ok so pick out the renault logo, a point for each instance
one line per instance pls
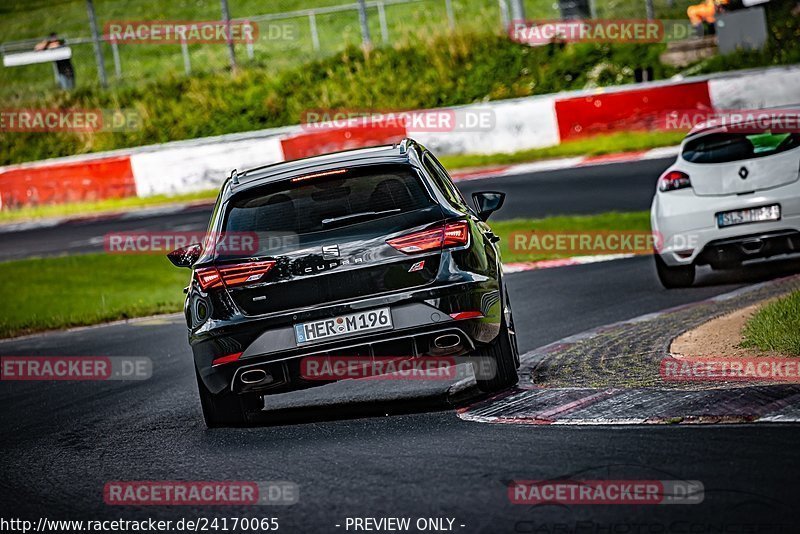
(743, 173)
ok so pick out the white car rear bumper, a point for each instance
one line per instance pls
(685, 223)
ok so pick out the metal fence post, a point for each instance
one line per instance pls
(55, 73)
(98, 52)
(362, 18)
(503, 14)
(187, 61)
(115, 53)
(312, 24)
(226, 16)
(651, 13)
(451, 18)
(251, 52)
(384, 25)
(517, 10)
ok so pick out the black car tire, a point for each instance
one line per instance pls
(674, 277)
(505, 355)
(512, 331)
(226, 409)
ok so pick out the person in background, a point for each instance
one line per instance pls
(66, 73)
(705, 12)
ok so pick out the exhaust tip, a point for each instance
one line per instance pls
(254, 376)
(753, 246)
(447, 341)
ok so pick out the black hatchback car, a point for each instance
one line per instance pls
(364, 253)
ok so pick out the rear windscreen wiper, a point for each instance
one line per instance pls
(356, 216)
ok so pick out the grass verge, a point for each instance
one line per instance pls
(51, 293)
(637, 221)
(593, 146)
(775, 327)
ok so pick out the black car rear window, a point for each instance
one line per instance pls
(311, 203)
(726, 147)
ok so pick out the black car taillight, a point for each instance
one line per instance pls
(454, 234)
(229, 358)
(674, 180)
(232, 275)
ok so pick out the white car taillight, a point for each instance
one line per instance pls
(674, 180)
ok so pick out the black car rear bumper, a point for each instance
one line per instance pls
(419, 318)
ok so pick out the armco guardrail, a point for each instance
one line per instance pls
(518, 124)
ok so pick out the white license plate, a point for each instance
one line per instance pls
(366, 321)
(764, 213)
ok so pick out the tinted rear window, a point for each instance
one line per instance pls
(725, 147)
(313, 204)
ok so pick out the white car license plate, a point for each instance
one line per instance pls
(366, 321)
(764, 213)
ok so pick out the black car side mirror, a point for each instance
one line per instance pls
(185, 256)
(487, 202)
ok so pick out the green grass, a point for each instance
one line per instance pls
(50, 293)
(26, 19)
(43, 294)
(593, 146)
(775, 327)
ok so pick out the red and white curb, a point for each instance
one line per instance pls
(518, 267)
(529, 404)
(639, 406)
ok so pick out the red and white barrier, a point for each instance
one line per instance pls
(517, 124)
(637, 109)
(72, 181)
(188, 168)
(321, 140)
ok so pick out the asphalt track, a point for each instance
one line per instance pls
(395, 448)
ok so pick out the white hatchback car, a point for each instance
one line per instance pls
(732, 196)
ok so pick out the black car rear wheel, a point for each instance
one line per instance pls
(226, 409)
(674, 277)
(505, 354)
